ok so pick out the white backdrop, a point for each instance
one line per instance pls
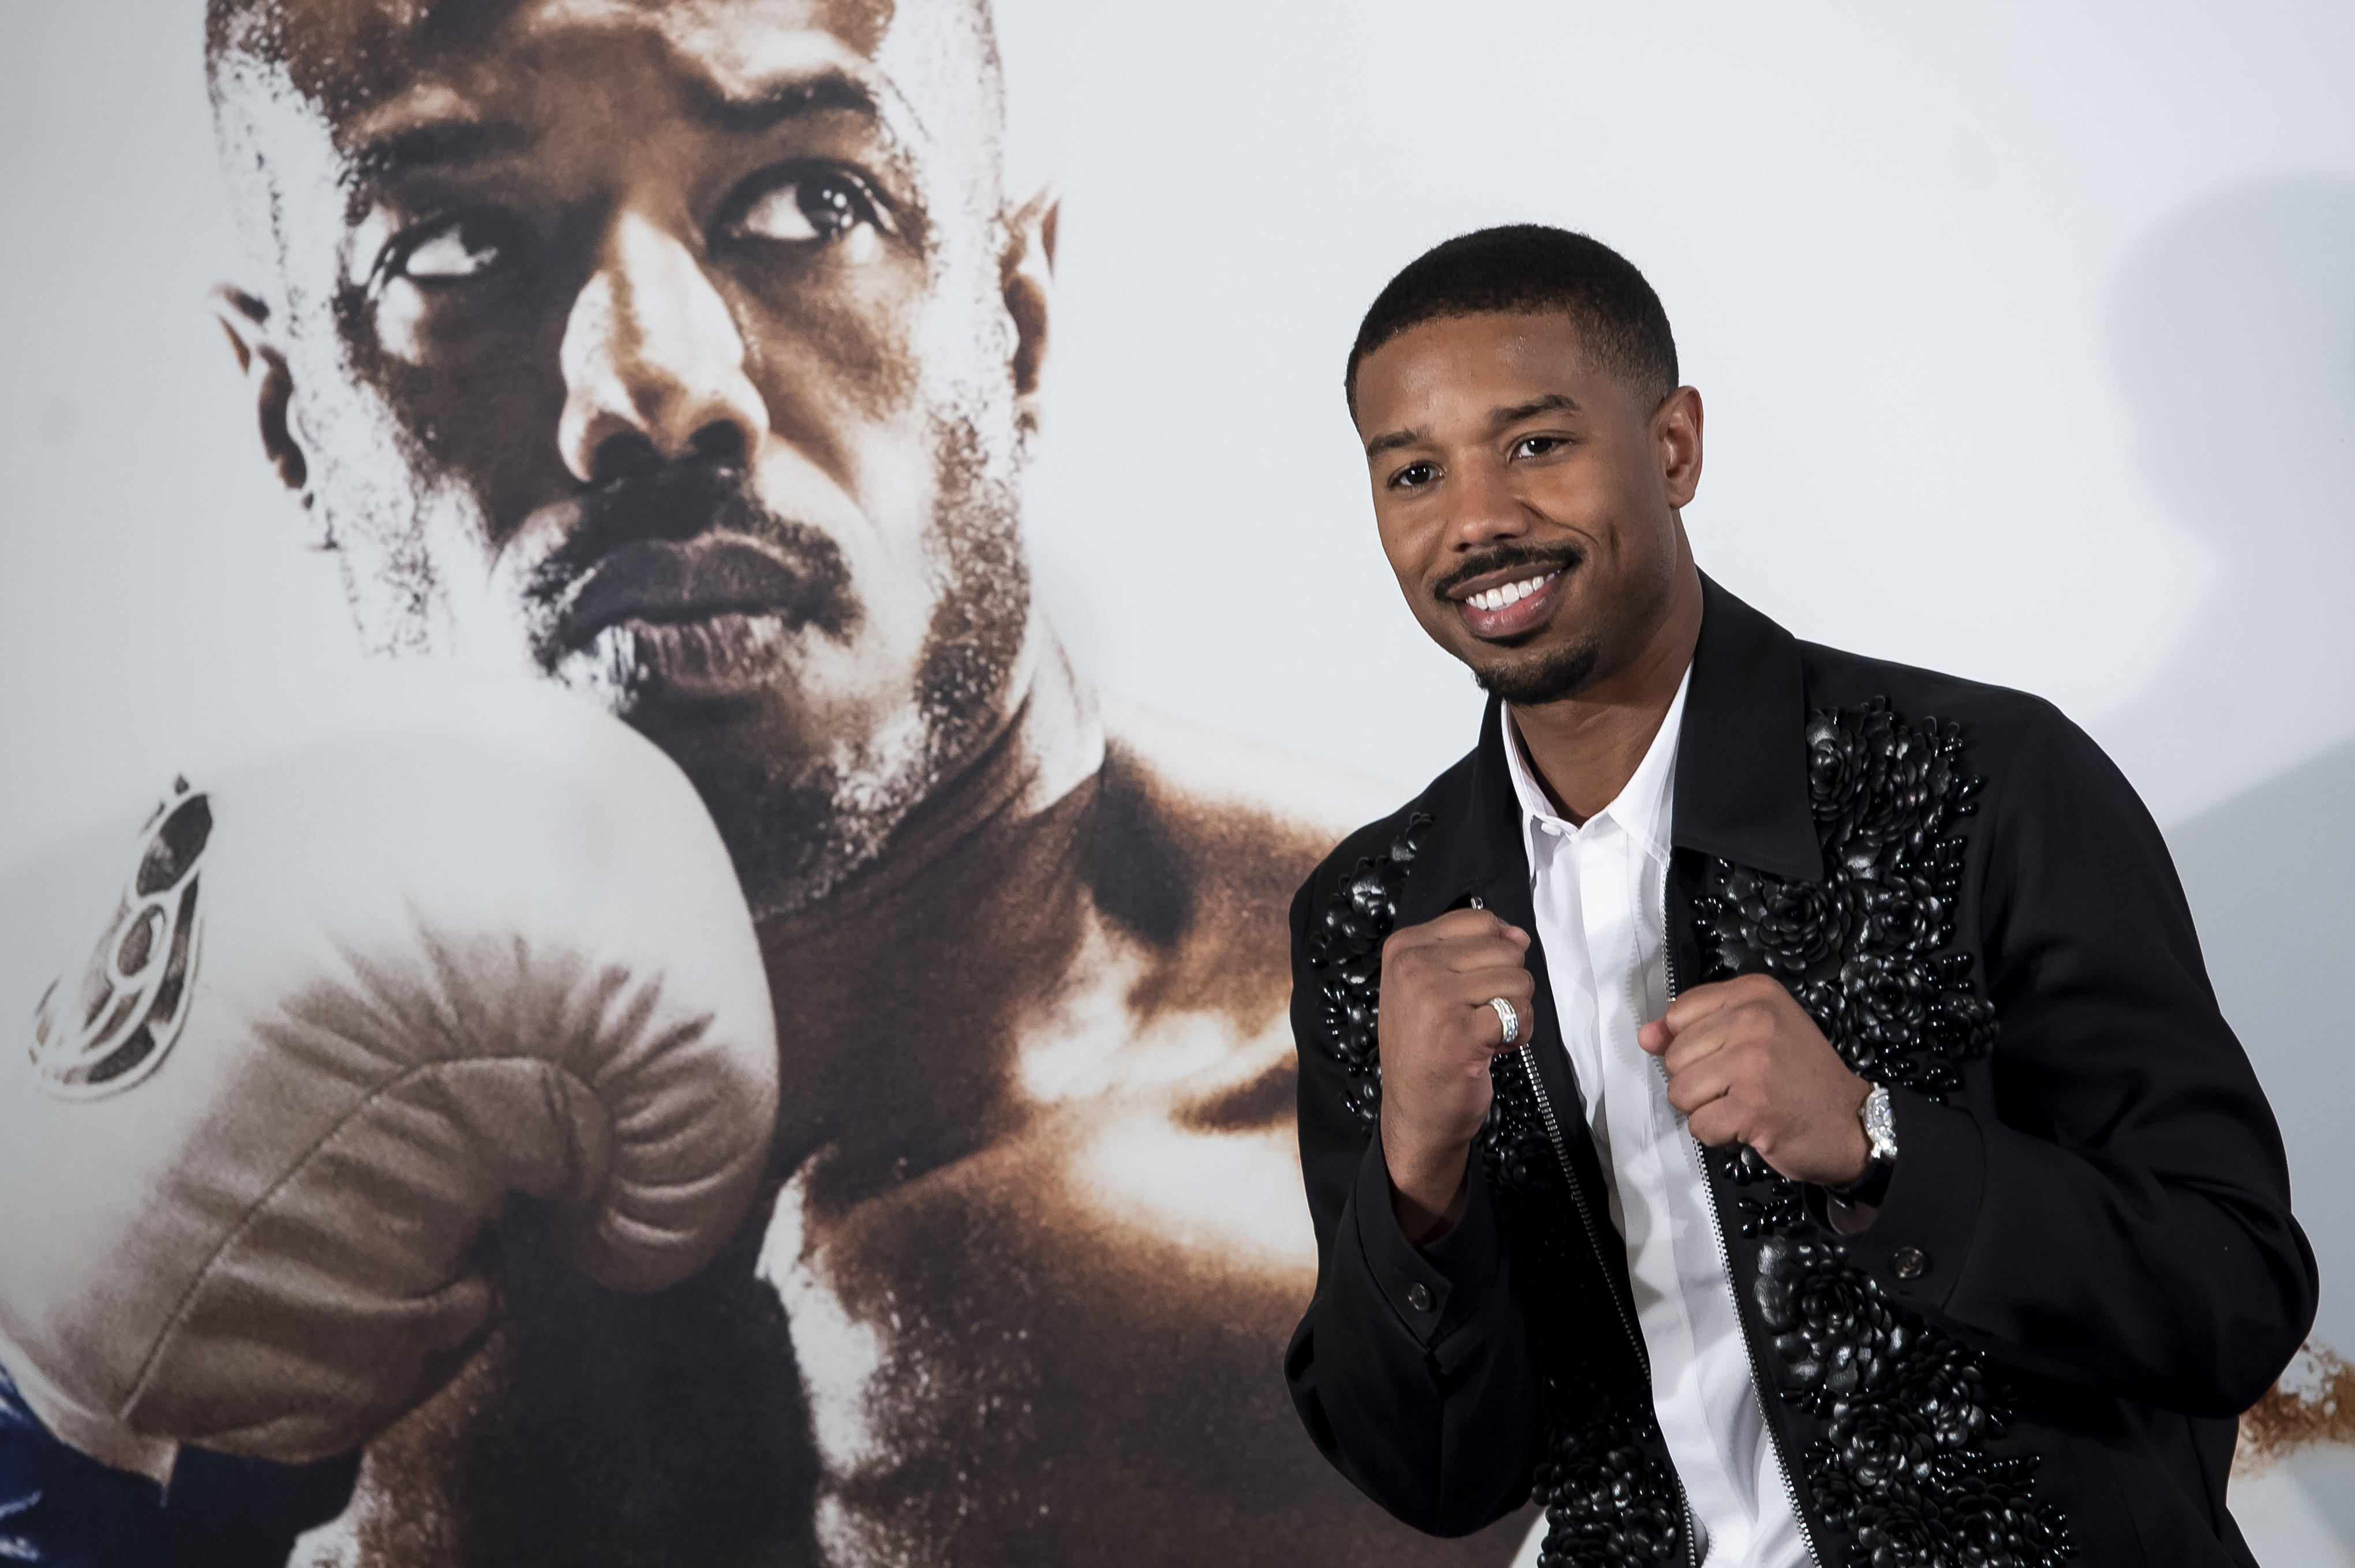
(2027, 335)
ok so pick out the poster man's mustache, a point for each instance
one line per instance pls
(686, 541)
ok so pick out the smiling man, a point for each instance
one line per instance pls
(686, 356)
(1764, 1105)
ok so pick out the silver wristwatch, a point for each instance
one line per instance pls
(1880, 1159)
(1880, 1127)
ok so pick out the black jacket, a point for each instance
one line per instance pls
(2084, 1267)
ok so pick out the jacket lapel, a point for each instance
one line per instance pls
(1742, 761)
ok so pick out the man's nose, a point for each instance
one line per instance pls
(653, 363)
(1484, 504)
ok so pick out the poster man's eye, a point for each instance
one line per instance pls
(453, 250)
(809, 206)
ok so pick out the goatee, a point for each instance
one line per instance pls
(1543, 678)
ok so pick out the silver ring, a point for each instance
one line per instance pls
(1508, 1018)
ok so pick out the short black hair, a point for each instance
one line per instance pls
(1524, 267)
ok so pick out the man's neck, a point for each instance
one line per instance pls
(903, 994)
(1051, 740)
(1584, 748)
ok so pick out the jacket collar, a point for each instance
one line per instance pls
(1741, 763)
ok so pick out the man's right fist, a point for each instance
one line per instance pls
(359, 989)
(1437, 1034)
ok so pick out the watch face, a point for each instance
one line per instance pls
(1880, 1124)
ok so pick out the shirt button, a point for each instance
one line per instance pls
(1909, 1262)
(1418, 1297)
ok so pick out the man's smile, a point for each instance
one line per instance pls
(1501, 605)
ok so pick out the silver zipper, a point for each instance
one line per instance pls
(1578, 1197)
(1725, 1261)
(1570, 1179)
(1594, 1247)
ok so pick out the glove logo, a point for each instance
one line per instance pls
(117, 1026)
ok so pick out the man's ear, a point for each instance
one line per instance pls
(1028, 275)
(247, 321)
(1675, 437)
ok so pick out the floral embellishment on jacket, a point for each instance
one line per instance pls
(1900, 1465)
(1862, 951)
(1906, 1410)
(1345, 948)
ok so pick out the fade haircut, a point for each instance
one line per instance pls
(1523, 267)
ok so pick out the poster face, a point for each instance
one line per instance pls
(643, 585)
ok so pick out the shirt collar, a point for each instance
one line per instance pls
(1641, 809)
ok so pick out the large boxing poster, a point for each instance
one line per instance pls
(673, 664)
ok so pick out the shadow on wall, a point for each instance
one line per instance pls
(2267, 872)
(2231, 329)
(2232, 326)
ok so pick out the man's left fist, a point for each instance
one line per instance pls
(1746, 1064)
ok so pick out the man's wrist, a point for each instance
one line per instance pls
(1427, 1190)
(1877, 1122)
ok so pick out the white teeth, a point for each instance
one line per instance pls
(1511, 594)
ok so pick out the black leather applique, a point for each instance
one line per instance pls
(1905, 1410)
(1347, 948)
(1778, 1205)
(1862, 953)
(1607, 1503)
(1901, 1465)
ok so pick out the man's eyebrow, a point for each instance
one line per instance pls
(1552, 402)
(456, 143)
(773, 104)
(1393, 440)
(439, 144)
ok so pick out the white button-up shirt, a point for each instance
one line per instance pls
(1600, 893)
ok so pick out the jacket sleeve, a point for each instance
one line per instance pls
(2118, 1220)
(1410, 1369)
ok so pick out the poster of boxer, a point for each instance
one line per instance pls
(605, 969)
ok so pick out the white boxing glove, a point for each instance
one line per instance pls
(360, 990)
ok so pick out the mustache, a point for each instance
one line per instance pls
(1498, 558)
(604, 558)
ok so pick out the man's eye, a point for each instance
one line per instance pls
(1413, 476)
(451, 250)
(1536, 445)
(809, 206)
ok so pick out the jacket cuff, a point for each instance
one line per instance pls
(1433, 1289)
(1919, 1241)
